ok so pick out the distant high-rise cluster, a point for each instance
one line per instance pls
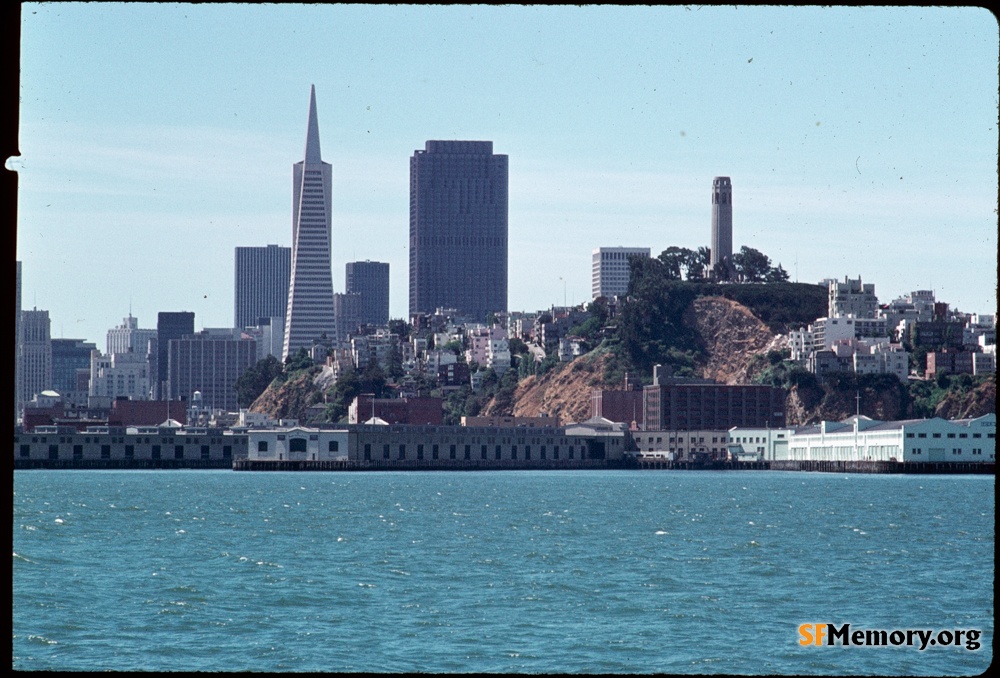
(722, 221)
(310, 315)
(458, 229)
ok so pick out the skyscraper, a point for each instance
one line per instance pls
(261, 286)
(170, 325)
(370, 279)
(458, 228)
(36, 354)
(722, 221)
(310, 292)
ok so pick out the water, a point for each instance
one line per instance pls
(575, 572)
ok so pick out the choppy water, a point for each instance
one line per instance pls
(580, 572)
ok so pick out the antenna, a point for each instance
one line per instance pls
(857, 398)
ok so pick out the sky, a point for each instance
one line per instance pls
(157, 138)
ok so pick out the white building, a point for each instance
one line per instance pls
(610, 271)
(120, 375)
(297, 444)
(851, 297)
(759, 443)
(859, 438)
(129, 338)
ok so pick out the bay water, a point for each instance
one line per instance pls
(525, 572)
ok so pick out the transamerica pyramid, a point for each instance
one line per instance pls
(310, 292)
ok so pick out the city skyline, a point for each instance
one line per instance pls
(614, 119)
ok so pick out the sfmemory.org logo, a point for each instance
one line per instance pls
(829, 634)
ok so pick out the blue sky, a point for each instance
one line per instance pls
(156, 138)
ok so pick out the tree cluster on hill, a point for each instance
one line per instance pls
(747, 265)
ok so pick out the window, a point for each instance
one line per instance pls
(434, 452)
(334, 446)
(909, 435)
(368, 451)
(297, 445)
(54, 452)
(155, 453)
(385, 451)
(105, 452)
(26, 450)
(452, 452)
(420, 451)
(951, 435)
(205, 452)
(261, 446)
(178, 451)
(129, 451)
(77, 452)
(935, 435)
(498, 452)
(227, 451)
(402, 452)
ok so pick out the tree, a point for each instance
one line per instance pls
(698, 262)
(777, 274)
(255, 380)
(751, 265)
(673, 259)
(300, 360)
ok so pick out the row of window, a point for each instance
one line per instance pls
(435, 452)
(155, 452)
(950, 435)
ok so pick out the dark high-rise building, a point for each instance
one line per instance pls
(310, 292)
(458, 229)
(722, 221)
(68, 356)
(261, 286)
(169, 325)
(370, 279)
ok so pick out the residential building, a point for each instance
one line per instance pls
(18, 387)
(851, 297)
(722, 222)
(310, 316)
(610, 270)
(458, 229)
(261, 285)
(369, 279)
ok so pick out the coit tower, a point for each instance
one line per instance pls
(722, 221)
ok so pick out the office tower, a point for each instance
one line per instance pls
(68, 356)
(610, 271)
(370, 279)
(120, 375)
(36, 353)
(310, 292)
(169, 325)
(129, 338)
(209, 362)
(458, 229)
(722, 221)
(347, 310)
(261, 288)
